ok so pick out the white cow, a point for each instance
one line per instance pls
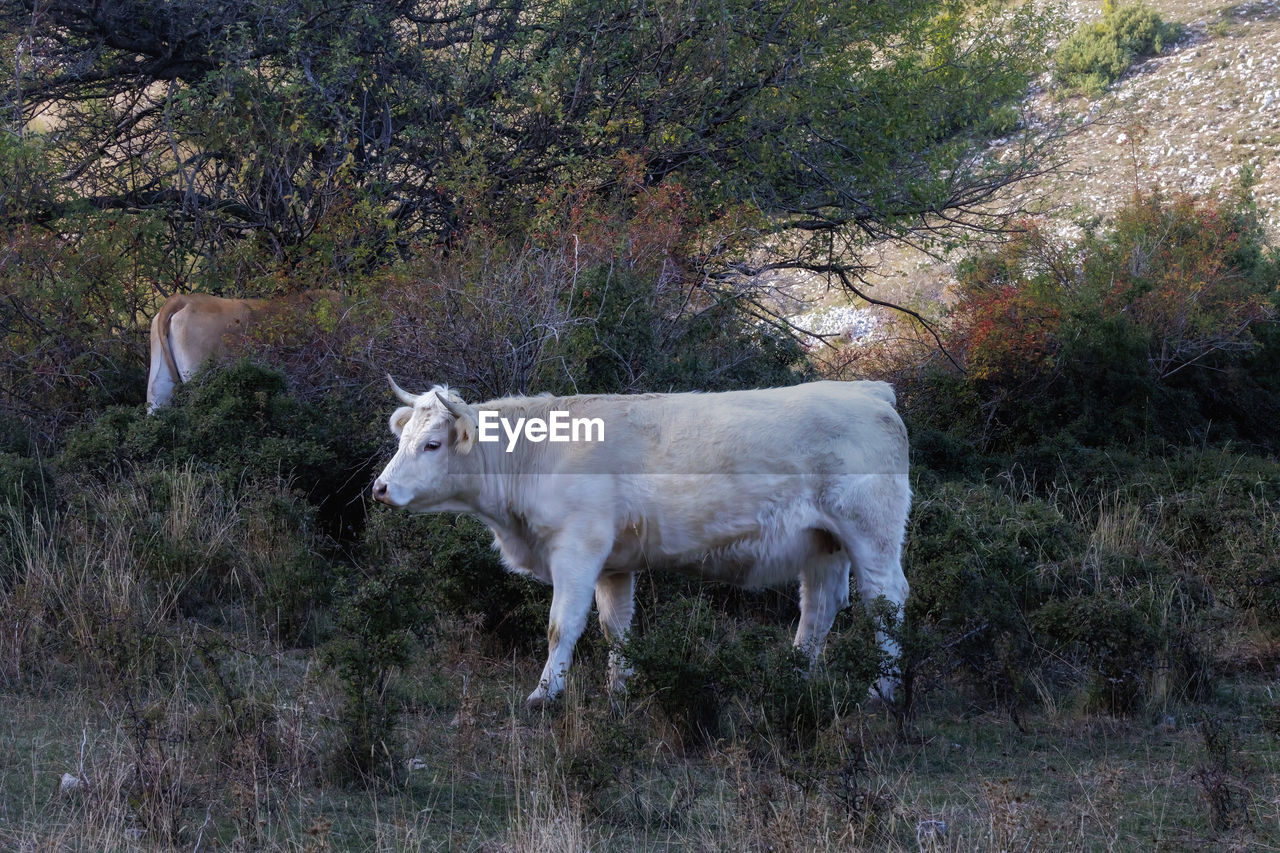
(758, 488)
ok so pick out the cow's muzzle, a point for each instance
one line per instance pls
(380, 491)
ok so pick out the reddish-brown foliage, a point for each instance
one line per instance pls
(1172, 269)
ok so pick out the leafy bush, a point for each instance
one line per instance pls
(1220, 513)
(460, 573)
(214, 551)
(1192, 273)
(597, 297)
(711, 675)
(675, 662)
(236, 493)
(1115, 640)
(383, 619)
(26, 484)
(1012, 591)
(243, 422)
(69, 303)
(979, 563)
(1097, 54)
(637, 320)
(1152, 328)
(627, 335)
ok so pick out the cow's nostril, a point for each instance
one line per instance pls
(379, 490)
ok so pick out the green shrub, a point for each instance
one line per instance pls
(230, 492)
(1097, 54)
(711, 675)
(979, 562)
(1220, 514)
(626, 337)
(243, 423)
(1210, 514)
(461, 574)
(600, 768)
(675, 662)
(1102, 391)
(26, 483)
(799, 701)
(292, 562)
(216, 552)
(69, 334)
(1156, 329)
(1012, 592)
(15, 437)
(1113, 638)
(384, 618)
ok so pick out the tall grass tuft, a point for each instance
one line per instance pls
(190, 724)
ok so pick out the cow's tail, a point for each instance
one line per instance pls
(160, 334)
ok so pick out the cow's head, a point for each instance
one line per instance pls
(436, 430)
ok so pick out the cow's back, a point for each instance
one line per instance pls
(192, 328)
(835, 427)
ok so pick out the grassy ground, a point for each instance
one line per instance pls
(480, 775)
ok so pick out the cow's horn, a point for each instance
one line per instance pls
(454, 409)
(405, 396)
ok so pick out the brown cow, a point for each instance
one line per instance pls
(191, 328)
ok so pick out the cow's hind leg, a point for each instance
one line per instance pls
(159, 384)
(877, 565)
(615, 601)
(824, 592)
(575, 566)
(869, 517)
(160, 380)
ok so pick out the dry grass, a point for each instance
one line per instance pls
(965, 782)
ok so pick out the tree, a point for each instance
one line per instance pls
(308, 134)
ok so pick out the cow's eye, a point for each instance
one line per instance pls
(431, 445)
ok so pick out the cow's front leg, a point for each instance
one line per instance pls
(575, 566)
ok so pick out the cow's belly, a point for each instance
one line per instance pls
(757, 559)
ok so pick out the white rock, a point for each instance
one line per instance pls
(844, 322)
(71, 783)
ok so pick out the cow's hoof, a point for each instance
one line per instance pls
(537, 701)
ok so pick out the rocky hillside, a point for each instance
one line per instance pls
(1190, 119)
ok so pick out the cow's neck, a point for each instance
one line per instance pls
(496, 490)
(503, 484)
(499, 499)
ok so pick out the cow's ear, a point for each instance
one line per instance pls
(399, 418)
(464, 433)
